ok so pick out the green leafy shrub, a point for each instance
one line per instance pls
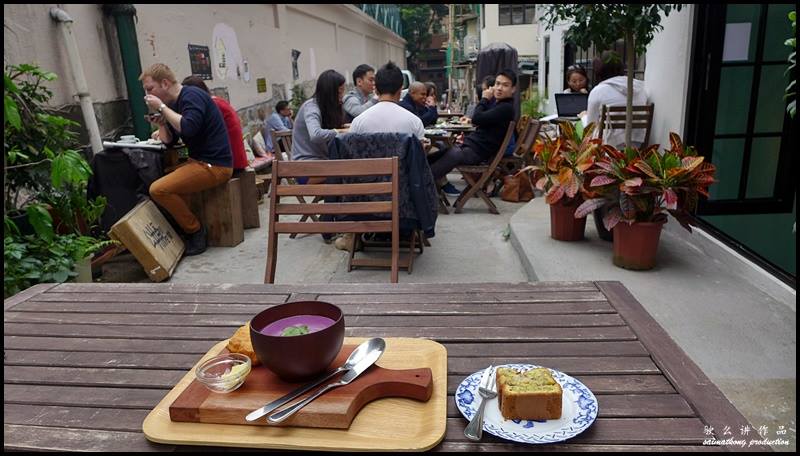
(43, 173)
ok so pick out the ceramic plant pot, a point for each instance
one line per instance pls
(636, 245)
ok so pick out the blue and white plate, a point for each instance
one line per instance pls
(578, 410)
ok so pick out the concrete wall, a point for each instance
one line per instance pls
(555, 54)
(31, 36)
(521, 37)
(667, 74)
(328, 36)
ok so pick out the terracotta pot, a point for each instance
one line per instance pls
(563, 224)
(635, 245)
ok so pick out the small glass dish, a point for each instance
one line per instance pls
(224, 373)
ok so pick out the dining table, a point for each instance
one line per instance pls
(85, 364)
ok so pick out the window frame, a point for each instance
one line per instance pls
(508, 10)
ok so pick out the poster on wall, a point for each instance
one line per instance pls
(229, 61)
(200, 61)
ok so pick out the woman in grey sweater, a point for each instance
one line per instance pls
(318, 118)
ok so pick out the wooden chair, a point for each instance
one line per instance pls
(282, 147)
(476, 186)
(334, 168)
(613, 118)
(522, 155)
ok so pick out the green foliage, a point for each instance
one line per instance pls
(791, 91)
(31, 259)
(298, 97)
(420, 21)
(43, 173)
(605, 23)
(532, 103)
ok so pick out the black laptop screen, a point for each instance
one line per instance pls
(571, 104)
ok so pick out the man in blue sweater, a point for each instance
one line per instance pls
(187, 113)
(416, 101)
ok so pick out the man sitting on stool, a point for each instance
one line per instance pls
(188, 113)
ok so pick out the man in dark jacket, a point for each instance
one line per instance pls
(491, 123)
(416, 101)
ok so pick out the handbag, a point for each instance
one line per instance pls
(517, 188)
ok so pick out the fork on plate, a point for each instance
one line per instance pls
(488, 390)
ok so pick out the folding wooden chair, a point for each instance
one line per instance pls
(282, 144)
(613, 118)
(476, 186)
(334, 168)
(522, 155)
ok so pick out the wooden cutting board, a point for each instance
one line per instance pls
(334, 409)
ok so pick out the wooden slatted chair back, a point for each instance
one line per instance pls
(282, 142)
(283, 171)
(613, 118)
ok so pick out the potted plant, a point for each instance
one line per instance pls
(640, 188)
(560, 174)
(43, 174)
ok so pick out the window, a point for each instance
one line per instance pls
(483, 15)
(516, 14)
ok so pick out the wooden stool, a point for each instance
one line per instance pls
(249, 199)
(220, 211)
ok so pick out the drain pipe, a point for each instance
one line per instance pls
(123, 14)
(74, 58)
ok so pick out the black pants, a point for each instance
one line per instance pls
(452, 157)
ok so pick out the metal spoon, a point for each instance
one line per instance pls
(375, 349)
(355, 357)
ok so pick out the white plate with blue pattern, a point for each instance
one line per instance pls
(578, 410)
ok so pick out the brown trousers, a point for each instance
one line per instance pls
(172, 191)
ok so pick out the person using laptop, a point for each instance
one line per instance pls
(577, 80)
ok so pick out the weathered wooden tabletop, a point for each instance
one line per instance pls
(85, 363)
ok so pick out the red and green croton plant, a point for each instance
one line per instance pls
(563, 162)
(642, 186)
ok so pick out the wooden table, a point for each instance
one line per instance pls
(85, 363)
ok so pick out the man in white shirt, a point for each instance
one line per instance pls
(611, 89)
(387, 116)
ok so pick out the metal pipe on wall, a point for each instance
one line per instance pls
(74, 58)
(123, 14)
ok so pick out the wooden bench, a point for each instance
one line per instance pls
(220, 211)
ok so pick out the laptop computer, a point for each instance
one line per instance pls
(569, 105)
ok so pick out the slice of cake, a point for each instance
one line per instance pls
(529, 395)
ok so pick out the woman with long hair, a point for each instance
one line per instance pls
(318, 118)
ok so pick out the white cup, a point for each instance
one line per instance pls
(128, 139)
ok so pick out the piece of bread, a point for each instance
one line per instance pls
(529, 395)
(240, 343)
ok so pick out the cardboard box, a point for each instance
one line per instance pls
(151, 239)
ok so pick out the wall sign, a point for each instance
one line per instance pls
(228, 56)
(261, 85)
(200, 61)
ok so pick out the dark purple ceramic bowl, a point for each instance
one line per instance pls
(303, 357)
